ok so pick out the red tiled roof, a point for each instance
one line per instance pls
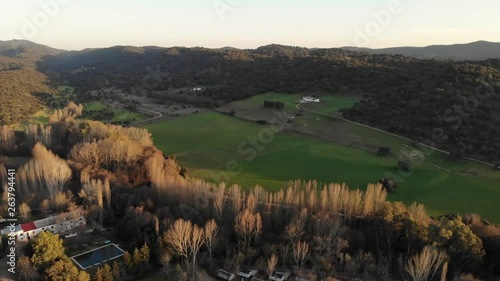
(28, 226)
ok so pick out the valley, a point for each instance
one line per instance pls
(218, 147)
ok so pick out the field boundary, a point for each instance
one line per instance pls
(391, 134)
(158, 114)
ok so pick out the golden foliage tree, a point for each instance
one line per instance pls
(425, 265)
(45, 172)
(184, 239)
(47, 248)
(248, 227)
(211, 231)
(300, 252)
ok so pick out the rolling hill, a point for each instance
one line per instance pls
(20, 81)
(480, 50)
(402, 94)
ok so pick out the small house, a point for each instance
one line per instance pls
(310, 99)
(246, 274)
(224, 275)
(279, 276)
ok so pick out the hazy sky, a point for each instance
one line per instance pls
(78, 24)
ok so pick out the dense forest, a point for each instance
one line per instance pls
(170, 221)
(453, 105)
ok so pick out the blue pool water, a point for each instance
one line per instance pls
(98, 255)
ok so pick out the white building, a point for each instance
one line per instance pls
(224, 275)
(309, 99)
(62, 223)
(279, 276)
(246, 274)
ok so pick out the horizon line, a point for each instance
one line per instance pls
(253, 48)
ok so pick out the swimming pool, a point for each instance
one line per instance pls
(97, 256)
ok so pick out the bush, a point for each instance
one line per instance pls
(496, 166)
(389, 184)
(404, 166)
(384, 151)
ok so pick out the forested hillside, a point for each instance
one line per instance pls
(417, 98)
(430, 100)
(480, 50)
(20, 82)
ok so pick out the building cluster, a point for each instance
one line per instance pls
(63, 223)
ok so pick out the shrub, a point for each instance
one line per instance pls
(384, 151)
(404, 166)
(389, 184)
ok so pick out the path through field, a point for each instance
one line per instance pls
(158, 114)
(391, 134)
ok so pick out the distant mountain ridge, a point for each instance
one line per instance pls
(479, 50)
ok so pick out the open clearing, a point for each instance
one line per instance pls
(217, 147)
(94, 109)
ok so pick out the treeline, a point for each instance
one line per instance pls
(316, 231)
(67, 148)
(274, 104)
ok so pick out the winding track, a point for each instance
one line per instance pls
(158, 114)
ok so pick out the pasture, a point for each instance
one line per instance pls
(218, 147)
(97, 110)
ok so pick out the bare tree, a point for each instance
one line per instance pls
(87, 154)
(184, 240)
(99, 197)
(248, 227)
(107, 194)
(220, 200)
(44, 173)
(211, 232)
(178, 238)
(60, 201)
(425, 265)
(7, 139)
(295, 230)
(24, 210)
(300, 252)
(74, 109)
(271, 264)
(197, 238)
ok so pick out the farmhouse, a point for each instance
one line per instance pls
(246, 274)
(309, 99)
(224, 275)
(61, 223)
(279, 276)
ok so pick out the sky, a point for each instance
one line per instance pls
(79, 24)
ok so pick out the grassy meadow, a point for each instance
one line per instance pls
(120, 114)
(218, 147)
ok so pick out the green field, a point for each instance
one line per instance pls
(210, 143)
(119, 114)
(328, 104)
